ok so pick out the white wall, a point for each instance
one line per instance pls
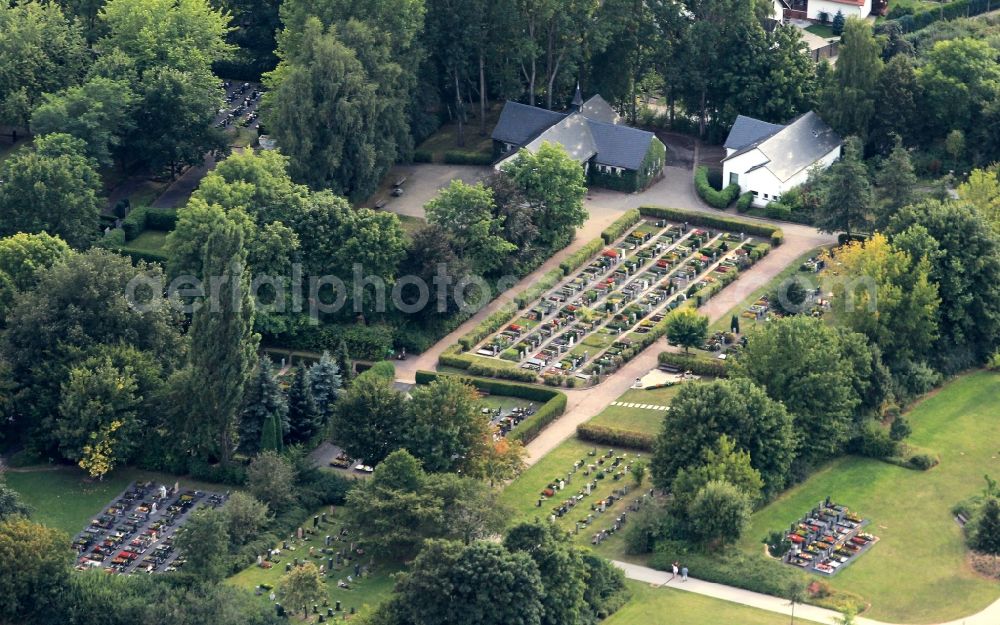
(816, 7)
(762, 180)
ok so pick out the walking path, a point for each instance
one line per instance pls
(585, 404)
(989, 616)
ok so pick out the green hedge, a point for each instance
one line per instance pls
(699, 366)
(744, 202)
(750, 571)
(134, 222)
(575, 260)
(164, 219)
(713, 197)
(536, 290)
(146, 255)
(457, 157)
(500, 371)
(423, 156)
(615, 437)
(716, 221)
(487, 326)
(364, 342)
(630, 218)
(554, 402)
(949, 11)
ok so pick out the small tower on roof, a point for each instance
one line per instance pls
(577, 100)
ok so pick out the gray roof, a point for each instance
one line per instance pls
(748, 130)
(597, 108)
(620, 146)
(795, 147)
(573, 134)
(520, 123)
(596, 130)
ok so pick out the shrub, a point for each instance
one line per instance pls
(114, 238)
(505, 372)
(777, 210)
(422, 156)
(714, 198)
(620, 225)
(874, 441)
(382, 369)
(712, 367)
(576, 260)
(709, 220)
(164, 219)
(135, 222)
(744, 202)
(487, 326)
(533, 425)
(457, 157)
(615, 437)
(543, 284)
(923, 462)
(364, 342)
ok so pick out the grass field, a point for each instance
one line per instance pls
(149, 241)
(368, 591)
(637, 419)
(445, 139)
(66, 499)
(653, 605)
(917, 573)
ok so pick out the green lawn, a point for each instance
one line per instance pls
(637, 419)
(64, 498)
(822, 30)
(445, 138)
(653, 605)
(369, 591)
(917, 573)
(411, 224)
(149, 241)
(147, 192)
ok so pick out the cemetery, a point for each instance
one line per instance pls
(826, 539)
(354, 580)
(135, 533)
(586, 324)
(589, 492)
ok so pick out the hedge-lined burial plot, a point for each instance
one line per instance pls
(603, 313)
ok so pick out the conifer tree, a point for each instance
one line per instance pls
(325, 382)
(344, 364)
(264, 399)
(303, 417)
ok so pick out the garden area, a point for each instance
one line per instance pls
(921, 556)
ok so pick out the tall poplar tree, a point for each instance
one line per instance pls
(223, 346)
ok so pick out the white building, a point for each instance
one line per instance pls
(769, 159)
(856, 8)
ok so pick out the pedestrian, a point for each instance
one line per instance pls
(684, 574)
(676, 570)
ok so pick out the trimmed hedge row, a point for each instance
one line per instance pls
(713, 197)
(364, 342)
(554, 401)
(582, 255)
(752, 572)
(615, 437)
(456, 157)
(715, 221)
(144, 218)
(488, 325)
(699, 366)
(507, 373)
(630, 218)
(744, 202)
(536, 290)
(949, 11)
